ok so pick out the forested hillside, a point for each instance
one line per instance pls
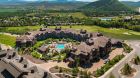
(107, 5)
(133, 4)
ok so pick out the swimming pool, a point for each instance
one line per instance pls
(60, 46)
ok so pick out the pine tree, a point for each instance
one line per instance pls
(126, 70)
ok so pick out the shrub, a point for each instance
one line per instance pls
(127, 48)
(36, 55)
(60, 70)
(126, 70)
(75, 71)
(56, 67)
(112, 76)
(85, 74)
(136, 60)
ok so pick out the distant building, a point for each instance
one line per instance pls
(138, 9)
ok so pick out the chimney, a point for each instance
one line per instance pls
(14, 53)
(25, 65)
(91, 35)
(21, 59)
(45, 74)
(9, 56)
(32, 71)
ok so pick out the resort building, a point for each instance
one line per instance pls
(14, 66)
(138, 9)
(25, 41)
(92, 47)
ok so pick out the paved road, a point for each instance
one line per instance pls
(115, 69)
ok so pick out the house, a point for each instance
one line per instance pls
(14, 66)
(25, 41)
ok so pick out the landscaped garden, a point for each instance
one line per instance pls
(49, 54)
(127, 70)
(107, 66)
(136, 60)
(72, 73)
(127, 48)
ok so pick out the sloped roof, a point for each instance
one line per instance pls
(25, 38)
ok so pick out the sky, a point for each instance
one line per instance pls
(119, 0)
(83, 0)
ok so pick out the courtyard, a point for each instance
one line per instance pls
(70, 49)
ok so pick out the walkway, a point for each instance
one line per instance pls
(114, 70)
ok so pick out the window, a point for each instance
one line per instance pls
(7, 74)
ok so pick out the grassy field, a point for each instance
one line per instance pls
(8, 10)
(8, 40)
(77, 14)
(113, 33)
(18, 30)
(123, 34)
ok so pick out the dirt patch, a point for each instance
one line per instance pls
(126, 33)
(117, 51)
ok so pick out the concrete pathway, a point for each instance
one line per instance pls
(116, 68)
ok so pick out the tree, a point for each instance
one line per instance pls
(99, 72)
(112, 76)
(60, 70)
(126, 70)
(75, 71)
(59, 57)
(85, 74)
(77, 61)
(136, 60)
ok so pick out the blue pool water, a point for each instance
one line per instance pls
(60, 46)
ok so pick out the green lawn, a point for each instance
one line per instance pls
(18, 30)
(113, 33)
(8, 10)
(76, 14)
(59, 57)
(8, 40)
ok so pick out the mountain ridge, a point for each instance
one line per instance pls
(131, 3)
(107, 5)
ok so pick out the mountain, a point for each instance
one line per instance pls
(11, 2)
(106, 5)
(59, 5)
(133, 4)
